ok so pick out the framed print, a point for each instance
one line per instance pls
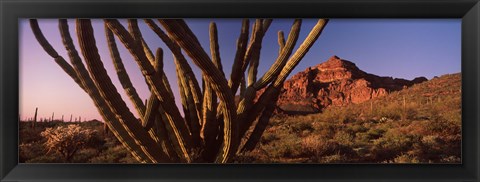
(296, 91)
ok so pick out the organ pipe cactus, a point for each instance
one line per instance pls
(214, 126)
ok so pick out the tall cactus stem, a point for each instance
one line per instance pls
(179, 129)
(215, 124)
(182, 35)
(110, 94)
(238, 62)
(301, 51)
(122, 74)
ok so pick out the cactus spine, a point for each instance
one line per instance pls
(214, 124)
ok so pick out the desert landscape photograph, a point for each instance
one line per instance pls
(316, 91)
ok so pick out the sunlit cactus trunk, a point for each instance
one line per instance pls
(214, 127)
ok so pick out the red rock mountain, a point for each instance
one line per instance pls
(336, 82)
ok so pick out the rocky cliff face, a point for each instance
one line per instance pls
(335, 82)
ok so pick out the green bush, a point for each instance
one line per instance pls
(116, 154)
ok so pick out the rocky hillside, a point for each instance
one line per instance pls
(420, 124)
(335, 82)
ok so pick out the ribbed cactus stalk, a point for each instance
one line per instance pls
(214, 126)
(237, 75)
(110, 94)
(123, 75)
(281, 41)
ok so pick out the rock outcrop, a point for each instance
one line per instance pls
(335, 82)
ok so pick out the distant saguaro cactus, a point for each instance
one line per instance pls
(34, 118)
(214, 127)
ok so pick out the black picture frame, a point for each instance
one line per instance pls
(12, 10)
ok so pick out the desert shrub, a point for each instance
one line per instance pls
(246, 157)
(324, 129)
(343, 138)
(391, 111)
(453, 116)
(116, 154)
(392, 144)
(410, 112)
(432, 142)
(356, 128)
(268, 137)
(310, 118)
(316, 148)
(129, 159)
(406, 158)
(453, 145)
(259, 155)
(330, 115)
(29, 135)
(419, 127)
(84, 155)
(429, 148)
(67, 140)
(341, 115)
(300, 126)
(288, 147)
(435, 148)
(276, 120)
(311, 145)
(434, 113)
(29, 151)
(362, 138)
(337, 158)
(349, 115)
(374, 133)
(443, 127)
(49, 158)
(451, 159)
